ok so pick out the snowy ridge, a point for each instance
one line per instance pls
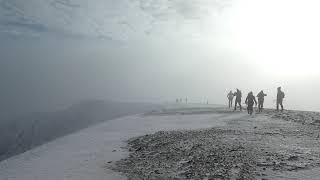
(84, 155)
(282, 146)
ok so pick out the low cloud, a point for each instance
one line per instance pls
(119, 20)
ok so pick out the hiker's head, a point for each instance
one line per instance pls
(279, 88)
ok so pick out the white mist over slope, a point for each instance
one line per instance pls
(57, 52)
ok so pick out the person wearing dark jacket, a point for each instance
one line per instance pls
(250, 101)
(238, 96)
(260, 97)
(280, 96)
(230, 98)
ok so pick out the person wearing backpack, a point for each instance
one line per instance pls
(260, 97)
(250, 101)
(280, 96)
(238, 96)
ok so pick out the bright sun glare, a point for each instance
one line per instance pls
(283, 37)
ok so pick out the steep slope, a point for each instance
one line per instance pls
(84, 155)
(25, 132)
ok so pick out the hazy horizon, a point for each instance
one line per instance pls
(58, 52)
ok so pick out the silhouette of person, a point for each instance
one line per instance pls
(280, 96)
(230, 98)
(260, 97)
(238, 96)
(250, 100)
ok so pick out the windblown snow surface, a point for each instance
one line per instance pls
(180, 143)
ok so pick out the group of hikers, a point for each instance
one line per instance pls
(251, 100)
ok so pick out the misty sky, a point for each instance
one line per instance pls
(58, 52)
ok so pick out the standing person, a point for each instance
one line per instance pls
(250, 100)
(238, 96)
(261, 96)
(230, 98)
(280, 96)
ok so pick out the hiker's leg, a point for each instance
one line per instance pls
(260, 105)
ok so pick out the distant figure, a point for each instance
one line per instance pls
(250, 100)
(280, 96)
(260, 97)
(230, 98)
(238, 96)
(186, 100)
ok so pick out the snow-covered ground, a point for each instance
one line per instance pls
(284, 145)
(83, 155)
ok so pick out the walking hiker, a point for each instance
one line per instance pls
(260, 97)
(280, 96)
(250, 100)
(230, 98)
(238, 96)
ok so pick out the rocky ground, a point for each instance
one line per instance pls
(268, 145)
